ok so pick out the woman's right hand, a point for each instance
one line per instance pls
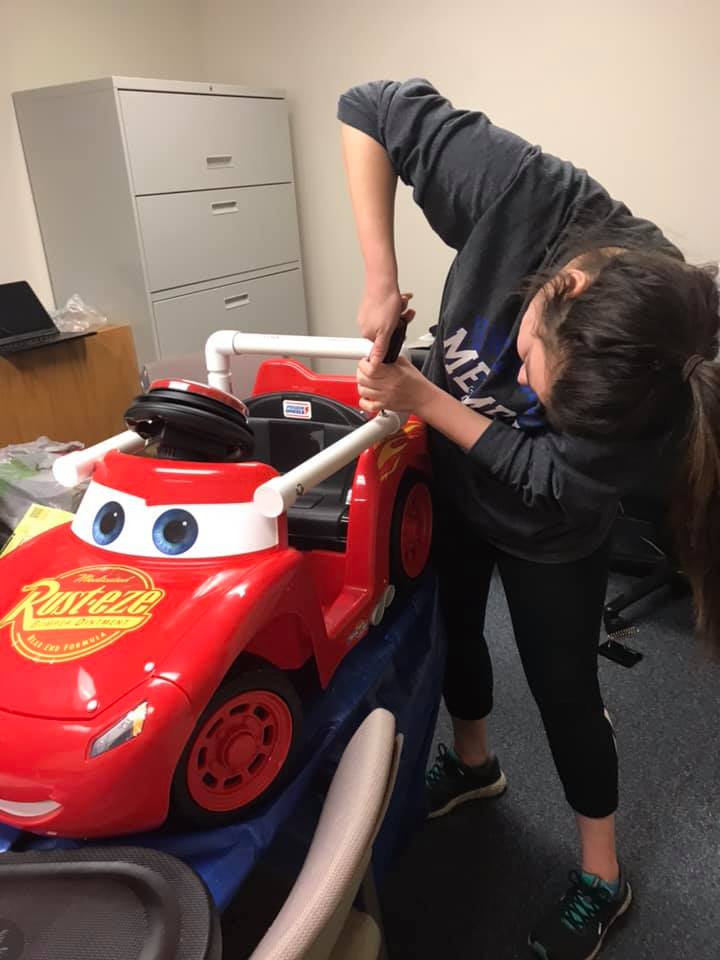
(379, 313)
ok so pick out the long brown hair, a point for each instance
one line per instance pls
(636, 357)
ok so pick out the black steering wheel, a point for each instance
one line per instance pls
(185, 420)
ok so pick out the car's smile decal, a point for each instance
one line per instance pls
(77, 613)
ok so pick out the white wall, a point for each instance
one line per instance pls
(57, 41)
(627, 88)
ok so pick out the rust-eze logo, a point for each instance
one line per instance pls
(77, 613)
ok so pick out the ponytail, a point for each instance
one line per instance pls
(635, 359)
(696, 506)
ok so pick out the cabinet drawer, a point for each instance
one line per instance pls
(274, 304)
(180, 141)
(190, 237)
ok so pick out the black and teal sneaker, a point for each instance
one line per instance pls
(451, 782)
(576, 928)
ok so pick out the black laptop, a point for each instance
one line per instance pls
(25, 324)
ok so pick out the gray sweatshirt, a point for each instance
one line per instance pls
(505, 207)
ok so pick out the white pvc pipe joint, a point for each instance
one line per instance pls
(224, 344)
(78, 466)
(277, 495)
(280, 493)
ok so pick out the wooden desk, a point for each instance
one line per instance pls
(72, 390)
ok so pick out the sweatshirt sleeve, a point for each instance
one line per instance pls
(456, 161)
(564, 474)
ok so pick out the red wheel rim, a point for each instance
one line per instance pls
(239, 751)
(416, 530)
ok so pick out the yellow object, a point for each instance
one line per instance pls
(54, 623)
(138, 716)
(37, 520)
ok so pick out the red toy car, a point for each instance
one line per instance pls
(147, 649)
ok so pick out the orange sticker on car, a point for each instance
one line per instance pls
(80, 612)
(388, 454)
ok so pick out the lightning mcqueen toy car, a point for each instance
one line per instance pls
(148, 649)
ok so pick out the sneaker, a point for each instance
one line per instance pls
(451, 782)
(576, 928)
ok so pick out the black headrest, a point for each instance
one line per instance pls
(272, 406)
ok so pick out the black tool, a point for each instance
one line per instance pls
(619, 652)
(396, 342)
(619, 631)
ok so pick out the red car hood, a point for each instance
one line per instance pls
(79, 624)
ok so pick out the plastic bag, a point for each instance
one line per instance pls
(76, 316)
(26, 478)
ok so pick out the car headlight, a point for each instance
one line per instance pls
(128, 728)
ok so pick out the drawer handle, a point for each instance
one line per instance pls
(239, 301)
(219, 160)
(224, 206)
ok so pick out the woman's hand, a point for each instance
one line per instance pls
(393, 386)
(379, 313)
(401, 387)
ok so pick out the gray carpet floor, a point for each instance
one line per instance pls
(471, 883)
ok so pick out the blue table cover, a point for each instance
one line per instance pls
(399, 665)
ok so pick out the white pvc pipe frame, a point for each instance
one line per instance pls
(277, 495)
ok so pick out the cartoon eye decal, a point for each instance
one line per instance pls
(174, 532)
(108, 523)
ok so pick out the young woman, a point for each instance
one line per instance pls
(574, 361)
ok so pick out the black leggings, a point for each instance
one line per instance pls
(555, 611)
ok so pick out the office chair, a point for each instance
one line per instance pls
(318, 920)
(641, 546)
(132, 903)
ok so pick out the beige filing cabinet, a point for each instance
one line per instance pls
(169, 206)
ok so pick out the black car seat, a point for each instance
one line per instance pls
(318, 520)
